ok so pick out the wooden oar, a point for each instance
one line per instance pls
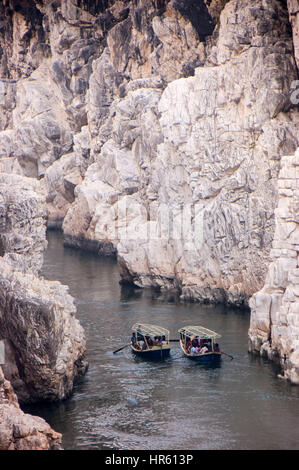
(123, 347)
(174, 340)
(227, 355)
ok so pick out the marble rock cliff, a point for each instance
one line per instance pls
(44, 342)
(274, 326)
(20, 431)
(183, 179)
(157, 131)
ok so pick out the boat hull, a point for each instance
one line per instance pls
(206, 358)
(154, 354)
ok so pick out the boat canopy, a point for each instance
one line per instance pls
(150, 330)
(198, 331)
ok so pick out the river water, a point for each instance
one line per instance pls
(126, 403)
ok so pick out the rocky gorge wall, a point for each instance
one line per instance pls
(156, 130)
(184, 181)
(274, 325)
(21, 431)
(45, 344)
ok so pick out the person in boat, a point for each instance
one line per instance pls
(164, 341)
(149, 341)
(194, 350)
(133, 339)
(204, 349)
(216, 347)
(141, 344)
(188, 344)
(140, 337)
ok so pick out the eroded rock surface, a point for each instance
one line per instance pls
(38, 319)
(22, 222)
(184, 182)
(293, 7)
(21, 431)
(45, 342)
(274, 323)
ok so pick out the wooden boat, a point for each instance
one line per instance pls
(150, 341)
(209, 350)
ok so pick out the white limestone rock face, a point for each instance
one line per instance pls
(46, 49)
(19, 430)
(119, 173)
(39, 131)
(184, 183)
(62, 177)
(63, 64)
(7, 102)
(37, 318)
(274, 321)
(45, 343)
(22, 222)
(293, 8)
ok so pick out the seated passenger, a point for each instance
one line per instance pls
(194, 350)
(149, 341)
(164, 341)
(204, 350)
(216, 347)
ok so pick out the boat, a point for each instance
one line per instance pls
(208, 351)
(150, 341)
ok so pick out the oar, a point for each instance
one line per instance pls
(227, 355)
(123, 347)
(174, 340)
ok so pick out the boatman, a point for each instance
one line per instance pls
(133, 339)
